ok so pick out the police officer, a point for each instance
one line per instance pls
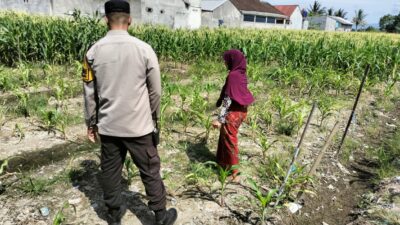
(122, 91)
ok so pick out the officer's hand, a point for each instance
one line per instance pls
(92, 134)
(216, 124)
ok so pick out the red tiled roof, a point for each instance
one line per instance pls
(286, 9)
(256, 6)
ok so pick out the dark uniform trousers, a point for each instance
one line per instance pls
(145, 156)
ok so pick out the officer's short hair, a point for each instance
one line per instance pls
(118, 18)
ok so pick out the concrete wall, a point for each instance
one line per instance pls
(172, 13)
(296, 20)
(226, 12)
(232, 17)
(318, 22)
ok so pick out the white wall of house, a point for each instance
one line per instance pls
(172, 13)
(232, 17)
(227, 12)
(296, 20)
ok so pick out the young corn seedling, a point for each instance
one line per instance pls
(60, 217)
(19, 132)
(325, 105)
(223, 175)
(3, 166)
(131, 170)
(200, 175)
(264, 199)
(265, 144)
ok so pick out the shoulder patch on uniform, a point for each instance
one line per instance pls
(87, 72)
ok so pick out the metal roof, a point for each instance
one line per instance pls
(255, 6)
(341, 20)
(211, 5)
(286, 9)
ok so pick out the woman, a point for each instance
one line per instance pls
(235, 98)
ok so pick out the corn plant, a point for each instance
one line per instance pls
(325, 106)
(23, 102)
(3, 166)
(291, 115)
(19, 132)
(223, 175)
(200, 175)
(131, 170)
(263, 198)
(59, 217)
(265, 144)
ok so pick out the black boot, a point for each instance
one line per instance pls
(164, 217)
(115, 215)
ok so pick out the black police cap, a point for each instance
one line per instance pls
(117, 6)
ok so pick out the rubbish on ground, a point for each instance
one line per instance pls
(45, 211)
(293, 207)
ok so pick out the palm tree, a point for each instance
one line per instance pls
(330, 11)
(359, 18)
(341, 13)
(316, 9)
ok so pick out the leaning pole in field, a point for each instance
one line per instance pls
(296, 154)
(353, 112)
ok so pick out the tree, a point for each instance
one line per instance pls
(359, 18)
(330, 11)
(341, 13)
(316, 9)
(386, 23)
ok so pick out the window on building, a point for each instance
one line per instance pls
(248, 18)
(280, 21)
(162, 11)
(270, 20)
(149, 10)
(261, 19)
(288, 22)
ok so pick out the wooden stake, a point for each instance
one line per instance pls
(354, 108)
(320, 156)
(296, 154)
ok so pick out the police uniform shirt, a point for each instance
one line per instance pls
(122, 86)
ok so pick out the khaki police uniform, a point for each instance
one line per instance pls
(122, 92)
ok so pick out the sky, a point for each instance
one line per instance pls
(374, 9)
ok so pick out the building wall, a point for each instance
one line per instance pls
(227, 12)
(172, 13)
(317, 22)
(296, 20)
(232, 17)
(38, 6)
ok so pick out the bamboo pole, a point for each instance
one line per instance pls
(320, 156)
(296, 154)
(367, 69)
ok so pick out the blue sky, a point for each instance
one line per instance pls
(374, 8)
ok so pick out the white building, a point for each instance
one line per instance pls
(172, 13)
(242, 13)
(295, 17)
(330, 23)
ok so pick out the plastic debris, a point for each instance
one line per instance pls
(293, 207)
(74, 201)
(323, 223)
(45, 211)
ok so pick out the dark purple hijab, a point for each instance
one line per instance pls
(236, 83)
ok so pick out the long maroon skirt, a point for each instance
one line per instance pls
(228, 151)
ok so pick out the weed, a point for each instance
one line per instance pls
(3, 166)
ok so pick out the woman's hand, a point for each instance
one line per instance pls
(216, 124)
